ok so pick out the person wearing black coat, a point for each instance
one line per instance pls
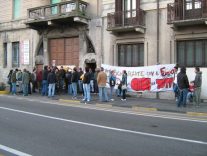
(51, 81)
(86, 85)
(183, 85)
(68, 77)
(44, 81)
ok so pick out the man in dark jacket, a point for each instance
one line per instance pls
(197, 83)
(183, 85)
(13, 81)
(68, 77)
(74, 82)
(86, 85)
(44, 81)
(25, 82)
(51, 79)
(61, 78)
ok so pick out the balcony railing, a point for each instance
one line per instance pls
(187, 10)
(70, 8)
(125, 19)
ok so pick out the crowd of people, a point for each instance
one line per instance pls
(52, 81)
(186, 92)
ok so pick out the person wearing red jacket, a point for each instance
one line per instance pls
(39, 80)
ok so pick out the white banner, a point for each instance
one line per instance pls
(142, 79)
(25, 52)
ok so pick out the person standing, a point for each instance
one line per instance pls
(92, 80)
(183, 85)
(61, 79)
(34, 80)
(95, 80)
(51, 79)
(124, 85)
(86, 85)
(175, 85)
(44, 81)
(101, 80)
(80, 82)
(74, 82)
(39, 80)
(19, 80)
(9, 77)
(112, 83)
(25, 82)
(13, 81)
(197, 84)
(68, 77)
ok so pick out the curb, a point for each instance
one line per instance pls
(104, 105)
(137, 108)
(4, 92)
(63, 100)
(196, 114)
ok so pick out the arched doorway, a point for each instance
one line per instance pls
(91, 64)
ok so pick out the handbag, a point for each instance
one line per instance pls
(123, 87)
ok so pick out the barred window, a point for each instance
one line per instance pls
(192, 53)
(5, 55)
(15, 54)
(131, 55)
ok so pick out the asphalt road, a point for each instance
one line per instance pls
(41, 129)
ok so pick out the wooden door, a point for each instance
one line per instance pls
(64, 51)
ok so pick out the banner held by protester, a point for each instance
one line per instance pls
(145, 79)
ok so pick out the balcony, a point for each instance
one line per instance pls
(69, 12)
(187, 13)
(126, 21)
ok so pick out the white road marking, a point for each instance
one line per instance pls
(13, 151)
(106, 127)
(93, 107)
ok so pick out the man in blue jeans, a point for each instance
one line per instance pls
(102, 79)
(183, 85)
(44, 81)
(74, 82)
(51, 79)
(86, 85)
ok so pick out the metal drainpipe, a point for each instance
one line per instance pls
(158, 37)
(158, 31)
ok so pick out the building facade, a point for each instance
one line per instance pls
(116, 32)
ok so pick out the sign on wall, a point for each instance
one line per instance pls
(141, 79)
(25, 52)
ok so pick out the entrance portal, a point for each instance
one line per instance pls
(92, 66)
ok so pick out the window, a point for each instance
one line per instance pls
(131, 55)
(192, 53)
(54, 9)
(5, 54)
(15, 54)
(130, 8)
(70, 7)
(193, 4)
(16, 9)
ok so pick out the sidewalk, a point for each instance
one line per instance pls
(139, 102)
(136, 103)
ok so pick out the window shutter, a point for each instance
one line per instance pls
(138, 12)
(178, 9)
(118, 5)
(204, 6)
(118, 12)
